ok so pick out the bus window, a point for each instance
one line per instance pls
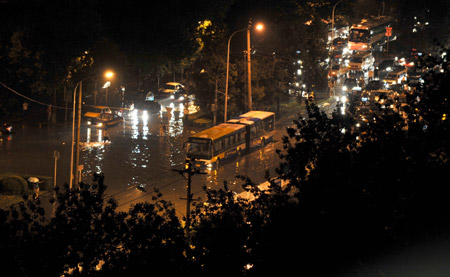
(217, 146)
(226, 142)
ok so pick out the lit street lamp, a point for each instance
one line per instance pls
(108, 75)
(258, 27)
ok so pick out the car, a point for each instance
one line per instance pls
(374, 85)
(408, 62)
(350, 85)
(150, 96)
(386, 66)
(149, 106)
(105, 120)
(397, 76)
(174, 90)
(337, 71)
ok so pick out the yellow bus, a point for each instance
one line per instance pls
(226, 140)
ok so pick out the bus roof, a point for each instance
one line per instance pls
(367, 24)
(241, 121)
(218, 131)
(256, 114)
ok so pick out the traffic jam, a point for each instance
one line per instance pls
(365, 71)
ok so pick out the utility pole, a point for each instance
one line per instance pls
(215, 106)
(190, 172)
(77, 173)
(249, 67)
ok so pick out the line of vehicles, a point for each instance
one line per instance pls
(104, 117)
(353, 58)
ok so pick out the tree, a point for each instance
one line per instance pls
(87, 234)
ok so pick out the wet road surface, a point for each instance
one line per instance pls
(142, 154)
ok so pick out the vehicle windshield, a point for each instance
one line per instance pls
(198, 148)
(356, 60)
(359, 35)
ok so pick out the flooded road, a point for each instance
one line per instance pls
(142, 154)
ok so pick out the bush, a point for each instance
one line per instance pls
(13, 184)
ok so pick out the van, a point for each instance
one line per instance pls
(361, 61)
(396, 76)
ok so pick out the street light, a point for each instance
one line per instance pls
(258, 27)
(108, 74)
(332, 38)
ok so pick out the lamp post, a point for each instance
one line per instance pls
(332, 38)
(108, 75)
(259, 27)
(228, 70)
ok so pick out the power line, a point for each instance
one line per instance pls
(47, 105)
(32, 100)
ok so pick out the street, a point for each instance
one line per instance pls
(141, 156)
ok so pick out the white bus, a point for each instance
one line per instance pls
(369, 33)
(226, 140)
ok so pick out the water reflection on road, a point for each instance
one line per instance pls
(141, 155)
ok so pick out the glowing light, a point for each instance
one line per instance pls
(109, 74)
(259, 27)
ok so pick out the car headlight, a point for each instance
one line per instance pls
(181, 98)
(100, 124)
(344, 99)
(89, 123)
(389, 68)
(172, 97)
(344, 88)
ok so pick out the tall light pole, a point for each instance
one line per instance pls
(79, 85)
(332, 38)
(249, 68)
(259, 27)
(228, 70)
